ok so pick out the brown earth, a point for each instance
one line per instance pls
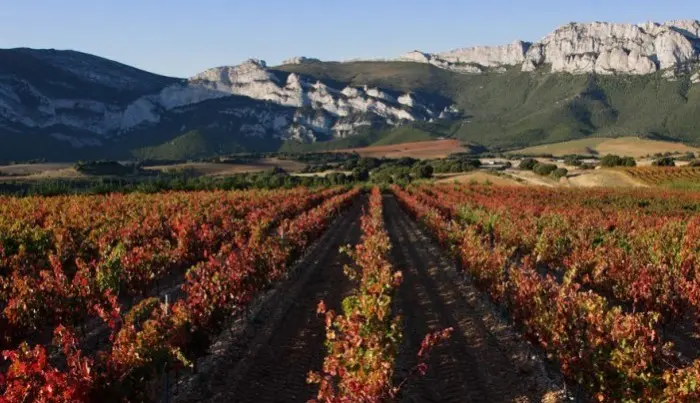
(286, 340)
(418, 149)
(223, 169)
(479, 177)
(484, 360)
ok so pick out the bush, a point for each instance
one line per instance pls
(423, 171)
(544, 169)
(572, 161)
(612, 160)
(664, 162)
(689, 156)
(629, 162)
(528, 164)
(560, 173)
(694, 164)
(360, 175)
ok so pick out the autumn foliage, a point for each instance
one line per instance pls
(594, 287)
(62, 266)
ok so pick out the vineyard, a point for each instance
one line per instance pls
(665, 175)
(430, 292)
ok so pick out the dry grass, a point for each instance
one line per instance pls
(222, 169)
(419, 149)
(37, 172)
(603, 178)
(626, 146)
(531, 178)
(478, 177)
(32, 169)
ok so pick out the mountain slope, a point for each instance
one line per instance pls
(517, 108)
(83, 106)
(595, 79)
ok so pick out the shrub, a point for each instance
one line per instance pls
(423, 171)
(544, 169)
(360, 175)
(694, 163)
(612, 160)
(560, 173)
(689, 156)
(664, 162)
(528, 164)
(628, 162)
(572, 161)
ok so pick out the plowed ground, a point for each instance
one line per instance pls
(484, 361)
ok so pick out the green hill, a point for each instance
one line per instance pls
(516, 109)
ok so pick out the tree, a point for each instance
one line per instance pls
(611, 160)
(544, 169)
(560, 173)
(528, 164)
(360, 175)
(572, 161)
(664, 162)
(423, 171)
(403, 178)
(336, 178)
(368, 163)
(628, 162)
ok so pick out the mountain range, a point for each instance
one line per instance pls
(592, 79)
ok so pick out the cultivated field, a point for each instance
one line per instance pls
(225, 169)
(664, 175)
(419, 149)
(39, 171)
(625, 146)
(430, 292)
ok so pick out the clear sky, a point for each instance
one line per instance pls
(182, 38)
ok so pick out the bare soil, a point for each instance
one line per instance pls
(627, 146)
(270, 359)
(225, 169)
(479, 177)
(485, 360)
(418, 149)
(267, 358)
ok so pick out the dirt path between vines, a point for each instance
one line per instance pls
(485, 360)
(287, 341)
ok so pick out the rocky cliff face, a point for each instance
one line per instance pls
(602, 48)
(83, 100)
(335, 111)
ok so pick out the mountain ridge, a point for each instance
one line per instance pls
(582, 79)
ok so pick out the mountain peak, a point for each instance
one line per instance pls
(581, 48)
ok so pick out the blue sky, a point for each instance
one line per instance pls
(182, 38)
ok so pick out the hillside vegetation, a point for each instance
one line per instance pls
(516, 109)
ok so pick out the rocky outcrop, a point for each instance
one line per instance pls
(253, 79)
(488, 56)
(301, 60)
(695, 78)
(599, 47)
(304, 109)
